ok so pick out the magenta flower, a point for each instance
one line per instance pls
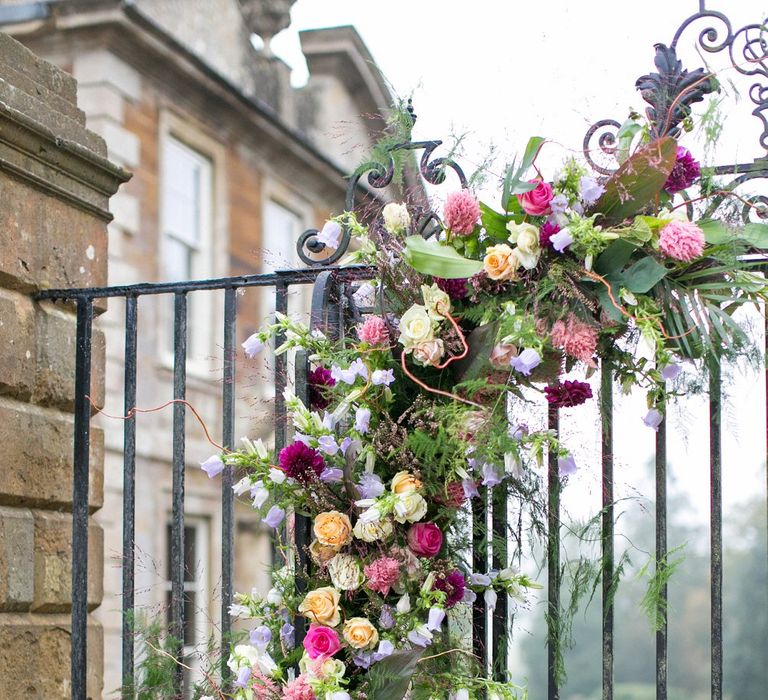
(567, 394)
(461, 213)
(684, 173)
(301, 462)
(320, 381)
(547, 230)
(321, 642)
(453, 585)
(456, 289)
(681, 240)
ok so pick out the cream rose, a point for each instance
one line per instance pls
(321, 554)
(346, 572)
(528, 249)
(375, 531)
(410, 507)
(500, 262)
(415, 327)
(360, 633)
(396, 218)
(437, 302)
(333, 529)
(322, 606)
(429, 353)
(405, 482)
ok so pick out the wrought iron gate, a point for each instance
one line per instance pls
(333, 310)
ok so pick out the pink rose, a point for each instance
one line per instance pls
(502, 355)
(536, 202)
(321, 642)
(425, 539)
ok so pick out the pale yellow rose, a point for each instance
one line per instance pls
(429, 353)
(322, 606)
(375, 531)
(410, 507)
(396, 218)
(415, 327)
(346, 572)
(333, 529)
(360, 633)
(405, 482)
(500, 263)
(436, 301)
(528, 248)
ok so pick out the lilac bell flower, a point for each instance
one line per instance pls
(491, 477)
(480, 579)
(420, 637)
(558, 204)
(526, 361)
(653, 419)
(260, 637)
(328, 444)
(330, 234)
(436, 617)
(242, 677)
(274, 516)
(300, 437)
(590, 190)
(386, 619)
(566, 465)
(359, 368)
(383, 377)
(469, 596)
(363, 659)
(348, 376)
(671, 371)
(491, 598)
(362, 419)
(331, 475)
(561, 240)
(212, 466)
(386, 648)
(370, 486)
(252, 346)
(288, 635)
(470, 488)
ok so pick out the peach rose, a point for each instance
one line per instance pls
(405, 482)
(322, 606)
(333, 529)
(500, 262)
(360, 633)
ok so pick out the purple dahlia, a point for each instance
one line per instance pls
(568, 394)
(453, 585)
(546, 232)
(456, 289)
(320, 380)
(301, 462)
(685, 172)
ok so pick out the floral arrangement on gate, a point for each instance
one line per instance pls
(407, 418)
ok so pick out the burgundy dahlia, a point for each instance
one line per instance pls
(456, 289)
(453, 586)
(546, 232)
(301, 462)
(685, 172)
(320, 380)
(567, 394)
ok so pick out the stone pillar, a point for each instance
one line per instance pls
(55, 184)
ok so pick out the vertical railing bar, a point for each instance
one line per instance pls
(554, 650)
(480, 539)
(80, 478)
(281, 377)
(499, 649)
(129, 492)
(227, 496)
(661, 557)
(301, 524)
(177, 524)
(716, 528)
(606, 414)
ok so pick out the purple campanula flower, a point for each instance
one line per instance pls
(300, 437)
(330, 234)
(260, 637)
(331, 475)
(383, 377)
(242, 677)
(526, 361)
(491, 597)
(590, 190)
(566, 465)
(363, 659)
(274, 516)
(480, 579)
(671, 371)
(420, 637)
(653, 419)
(470, 488)
(288, 635)
(252, 346)
(491, 477)
(370, 486)
(385, 648)
(362, 419)
(327, 444)
(348, 376)
(436, 617)
(329, 421)
(212, 466)
(386, 618)
(561, 240)
(359, 368)
(558, 204)
(469, 596)
(345, 443)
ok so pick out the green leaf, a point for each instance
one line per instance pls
(495, 224)
(389, 678)
(608, 306)
(756, 235)
(643, 275)
(624, 138)
(476, 364)
(433, 258)
(715, 232)
(614, 257)
(637, 182)
(513, 180)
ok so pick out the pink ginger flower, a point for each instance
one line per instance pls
(576, 338)
(681, 240)
(263, 687)
(461, 213)
(382, 574)
(374, 331)
(299, 689)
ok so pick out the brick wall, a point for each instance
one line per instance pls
(55, 183)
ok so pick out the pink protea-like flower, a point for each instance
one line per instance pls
(684, 173)
(319, 380)
(454, 495)
(263, 687)
(681, 240)
(299, 689)
(547, 230)
(301, 462)
(461, 213)
(576, 338)
(568, 394)
(382, 574)
(374, 331)
(453, 585)
(456, 289)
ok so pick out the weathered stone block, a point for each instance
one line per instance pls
(17, 344)
(17, 543)
(34, 657)
(36, 463)
(53, 562)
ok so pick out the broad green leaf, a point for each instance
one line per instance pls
(433, 258)
(608, 306)
(756, 235)
(626, 134)
(495, 224)
(614, 257)
(638, 182)
(643, 275)
(389, 678)
(476, 364)
(513, 180)
(715, 232)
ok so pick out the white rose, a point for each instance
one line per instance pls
(410, 507)
(396, 218)
(429, 353)
(438, 303)
(415, 327)
(373, 532)
(528, 248)
(346, 573)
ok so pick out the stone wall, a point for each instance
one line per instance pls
(55, 183)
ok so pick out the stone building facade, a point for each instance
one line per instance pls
(230, 163)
